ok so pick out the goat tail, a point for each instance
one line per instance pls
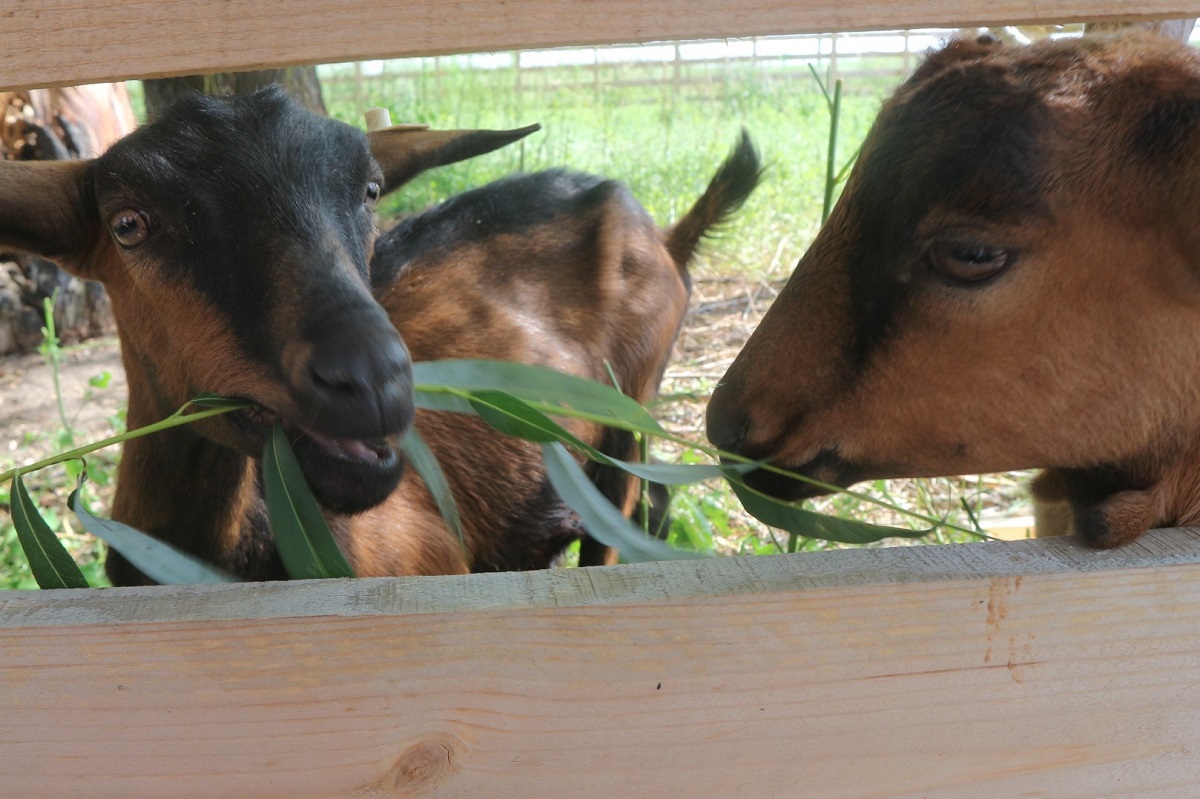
(729, 188)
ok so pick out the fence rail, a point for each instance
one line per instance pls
(67, 42)
(1034, 668)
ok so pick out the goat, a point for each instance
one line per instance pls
(1010, 280)
(235, 237)
(560, 269)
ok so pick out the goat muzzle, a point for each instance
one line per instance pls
(352, 397)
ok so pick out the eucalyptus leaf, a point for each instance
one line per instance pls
(514, 417)
(51, 564)
(810, 524)
(537, 384)
(208, 400)
(420, 457)
(305, 544)
(603, 521)
(673, 474)
(156, 559)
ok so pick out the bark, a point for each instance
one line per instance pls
(300, 82)
(55, 124)
(1180, 29)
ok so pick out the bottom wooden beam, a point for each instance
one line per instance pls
(1029, 669)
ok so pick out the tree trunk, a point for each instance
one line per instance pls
(55, 124)
(300, 82)
(1180, 29)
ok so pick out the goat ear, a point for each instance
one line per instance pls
(43, 210)
(405, 153)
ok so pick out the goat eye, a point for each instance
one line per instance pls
(372, 193)
(968, 263)
(130, 227)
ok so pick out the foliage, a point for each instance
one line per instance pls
(309, 550)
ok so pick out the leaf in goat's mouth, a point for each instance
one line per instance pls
(305, 544)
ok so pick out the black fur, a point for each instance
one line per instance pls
(298, 196)
(987, 164)
(510, 205)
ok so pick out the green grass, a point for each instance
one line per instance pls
(49, 487)
(664, 145)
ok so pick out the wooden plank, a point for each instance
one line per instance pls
(1032, 669)
(58, 42)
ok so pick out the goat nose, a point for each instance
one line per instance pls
(361, 381)
(725, 423)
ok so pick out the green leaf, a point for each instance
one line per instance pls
(51, 564)
(799, 521)
(514, 417)
(603, 521)
(419, 457)
(156, 559)
(536, 384)
(207, 400)
(304, 541)
(674, 474)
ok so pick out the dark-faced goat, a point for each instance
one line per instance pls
(1010, 280)
(235, 239)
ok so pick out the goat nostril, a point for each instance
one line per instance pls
(337, 380)
(726, 430)
(366, 363)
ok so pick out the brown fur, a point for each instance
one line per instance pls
(1079, 158)
(616, 296)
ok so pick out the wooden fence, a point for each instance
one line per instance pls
(1033, 669)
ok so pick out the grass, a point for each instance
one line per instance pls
(664, 144)
(49, 487)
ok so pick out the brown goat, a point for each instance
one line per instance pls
(557, 268)
(234, 237)
(1011, 279)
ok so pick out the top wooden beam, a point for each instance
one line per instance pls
(62, 42)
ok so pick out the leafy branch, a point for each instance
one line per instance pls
(519, 400)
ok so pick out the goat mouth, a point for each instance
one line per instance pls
(346, 475)
(367, 451)
(826, 467)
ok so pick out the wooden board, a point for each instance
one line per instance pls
(60, 42)
(1030, 669)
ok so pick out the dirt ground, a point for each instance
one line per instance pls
(28, 411)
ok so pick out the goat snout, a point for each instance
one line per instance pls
(358, 379)
(725, 421)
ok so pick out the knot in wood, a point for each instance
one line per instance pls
(426, 764)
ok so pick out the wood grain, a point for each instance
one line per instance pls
(1035, 668)
(60, 42)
